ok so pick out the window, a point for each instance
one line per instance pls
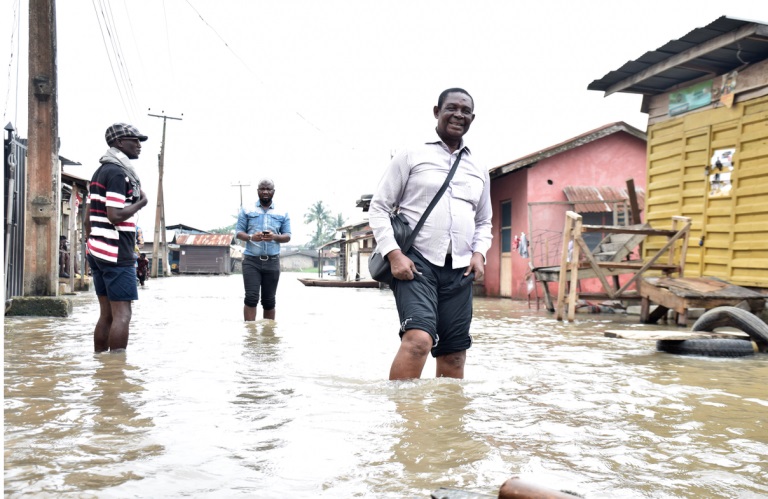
(506, 226)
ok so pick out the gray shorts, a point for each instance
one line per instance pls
(439, 301)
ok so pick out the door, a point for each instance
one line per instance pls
(505, 282)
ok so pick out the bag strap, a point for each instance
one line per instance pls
(412, 237)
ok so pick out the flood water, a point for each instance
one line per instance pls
(204, 405)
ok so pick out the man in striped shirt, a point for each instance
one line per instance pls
(115, 196)
(432, 282)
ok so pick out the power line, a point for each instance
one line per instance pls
(222, 40)
(115, 59)
(109, 56)
(14, 33)
(168, 46)
(296, 112)
(118, 48)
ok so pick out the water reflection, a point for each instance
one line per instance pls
(65, 414)
(432, 436)
(262, 394)
(203, 405)
(115, 431)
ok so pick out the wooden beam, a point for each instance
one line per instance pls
(633, 203)
(570, 220)
(595, 267)
(574, 271)
(611, 229)
(683, 232)
(637, 334)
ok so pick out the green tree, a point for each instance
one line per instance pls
(225, 230)
(340, 221)
(321, 217)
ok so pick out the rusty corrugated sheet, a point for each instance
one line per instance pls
(594, 199)
(204, 239)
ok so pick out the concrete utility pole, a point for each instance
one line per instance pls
(160, 211)
(41, 258)
(241, 185)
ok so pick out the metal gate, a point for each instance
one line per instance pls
(15, 167)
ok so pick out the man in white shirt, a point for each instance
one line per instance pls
(432, 282)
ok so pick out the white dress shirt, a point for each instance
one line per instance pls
(460, 223)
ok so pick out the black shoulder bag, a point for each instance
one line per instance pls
(378, 264)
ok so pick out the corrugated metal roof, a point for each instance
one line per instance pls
(718, 48)
(572, 143)
(601, 197)
(204, 239)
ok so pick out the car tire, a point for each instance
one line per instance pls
(740, 319)
(715, 347)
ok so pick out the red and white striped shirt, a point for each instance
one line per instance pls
(111, 243)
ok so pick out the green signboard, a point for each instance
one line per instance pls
(690, 98)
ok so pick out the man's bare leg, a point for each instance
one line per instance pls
(412, 355)
(121, 321)
(451, 365)
(249, 313)
(269, 314)
(101, 332)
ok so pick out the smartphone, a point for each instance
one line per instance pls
(265, 232)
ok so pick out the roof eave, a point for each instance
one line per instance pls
(752, 29)
(567, 145)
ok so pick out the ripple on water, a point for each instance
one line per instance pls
(203, 405)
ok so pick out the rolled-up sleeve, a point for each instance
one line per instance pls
(285, 227)
(242, 222)
(387, 196)
(481, 241)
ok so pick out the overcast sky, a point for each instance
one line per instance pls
(318, 94)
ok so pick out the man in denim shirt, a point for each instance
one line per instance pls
(264, 228)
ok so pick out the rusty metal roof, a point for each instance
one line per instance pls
(718, 48)
(573, 143)
(598, 199)
(203, 239)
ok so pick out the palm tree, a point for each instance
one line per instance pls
(319, 215)
(340, 221)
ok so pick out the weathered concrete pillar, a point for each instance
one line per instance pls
(43, 172)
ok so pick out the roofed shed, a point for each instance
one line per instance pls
(204, 253)
(706, 95)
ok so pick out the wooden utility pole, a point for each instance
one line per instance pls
(241, 185)
(41, 257)
(160, 210)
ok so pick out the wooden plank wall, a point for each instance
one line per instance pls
(733, 230)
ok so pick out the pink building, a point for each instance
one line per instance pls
(530, 196)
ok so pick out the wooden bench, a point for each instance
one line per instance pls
(572, 268)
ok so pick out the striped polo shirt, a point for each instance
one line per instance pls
(113, 244)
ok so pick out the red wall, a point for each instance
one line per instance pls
(608, 161)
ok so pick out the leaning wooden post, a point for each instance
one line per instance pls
(570, 217)
(574, 270)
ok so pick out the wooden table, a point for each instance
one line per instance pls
(683, 293)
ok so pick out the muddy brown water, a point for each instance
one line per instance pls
(204, 405)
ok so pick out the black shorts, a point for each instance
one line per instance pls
(439, 301)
